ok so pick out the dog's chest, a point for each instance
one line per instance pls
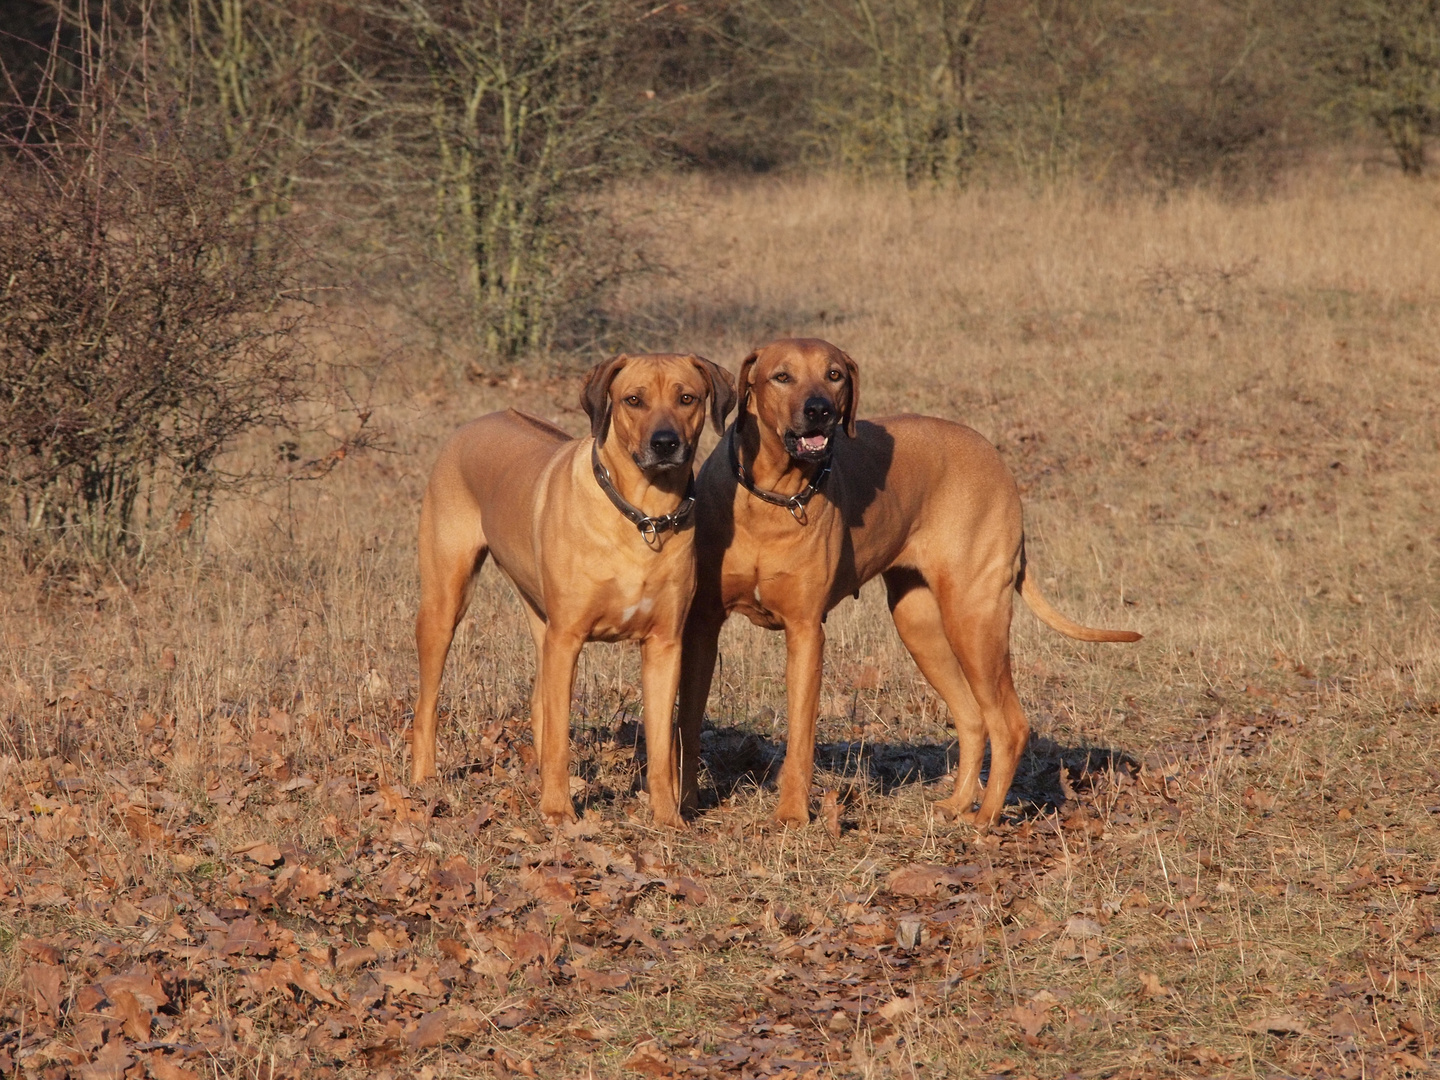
(627, 618)
(746, 594)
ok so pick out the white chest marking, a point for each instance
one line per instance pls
(642, 607)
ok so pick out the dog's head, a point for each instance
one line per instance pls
(801, 389)
(655, 405)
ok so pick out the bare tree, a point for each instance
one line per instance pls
(260, 75)
(520, 112)
(891, 83)
(1384, 59)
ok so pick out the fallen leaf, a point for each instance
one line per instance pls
(650, 1060)
(430, 1031)
(1077, 926)
(140, 982)
(549, 886)
(261, 851)
(246, 937)
(925, 880)
(603, 980)
(453, 950)
(42, 982)
(124, 913)
(162, 1068)
(512, 1017)
(1150, 985)
(1030, 1020)
(110, 1063)
(355, 956)
(688, 889)
(897, 1007)
(136, 1017)
(1278, 1024)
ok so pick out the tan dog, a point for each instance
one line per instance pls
(590, 564)
(792, 517)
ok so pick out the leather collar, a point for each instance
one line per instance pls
(650, 527)
(794, 503)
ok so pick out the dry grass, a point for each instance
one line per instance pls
(1224, 419)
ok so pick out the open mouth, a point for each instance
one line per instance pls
(653, 462)
(810, 447)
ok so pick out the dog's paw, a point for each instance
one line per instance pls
(959, 810)
(793, 817)
(671, 821)
(559, 815)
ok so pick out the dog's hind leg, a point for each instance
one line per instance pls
(452, 550)
(536, 623)
(917, 618)
(977, 625)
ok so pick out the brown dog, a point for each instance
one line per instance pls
(597, 537)
(792, 517)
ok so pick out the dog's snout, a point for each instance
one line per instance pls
(665, 442)
(819, 410)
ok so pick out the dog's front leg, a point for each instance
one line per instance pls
(659, 678)
(556, 678)
(804, 655)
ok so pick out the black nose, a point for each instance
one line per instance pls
(665, 442)
(818, 410)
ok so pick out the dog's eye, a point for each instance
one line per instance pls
(687, 399)
(782, 377)
(836, 375)
(633, 401)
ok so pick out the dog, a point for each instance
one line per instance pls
(801, 504)
(597, 536)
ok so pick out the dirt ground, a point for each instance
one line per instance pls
(1221, 857)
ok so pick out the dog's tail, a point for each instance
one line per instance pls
(1053, 619)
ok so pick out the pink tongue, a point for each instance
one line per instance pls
(812, 442)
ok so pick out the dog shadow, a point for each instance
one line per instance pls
(734, 759)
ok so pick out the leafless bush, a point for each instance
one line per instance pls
(142, 320)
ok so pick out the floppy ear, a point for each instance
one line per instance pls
(742, 384)
(852, 402)
(595, 396)
(722, 391)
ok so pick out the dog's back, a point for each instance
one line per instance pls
(485, 483)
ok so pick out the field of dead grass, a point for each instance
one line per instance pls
(1223, 853)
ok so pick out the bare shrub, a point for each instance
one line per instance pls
(141, 326)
